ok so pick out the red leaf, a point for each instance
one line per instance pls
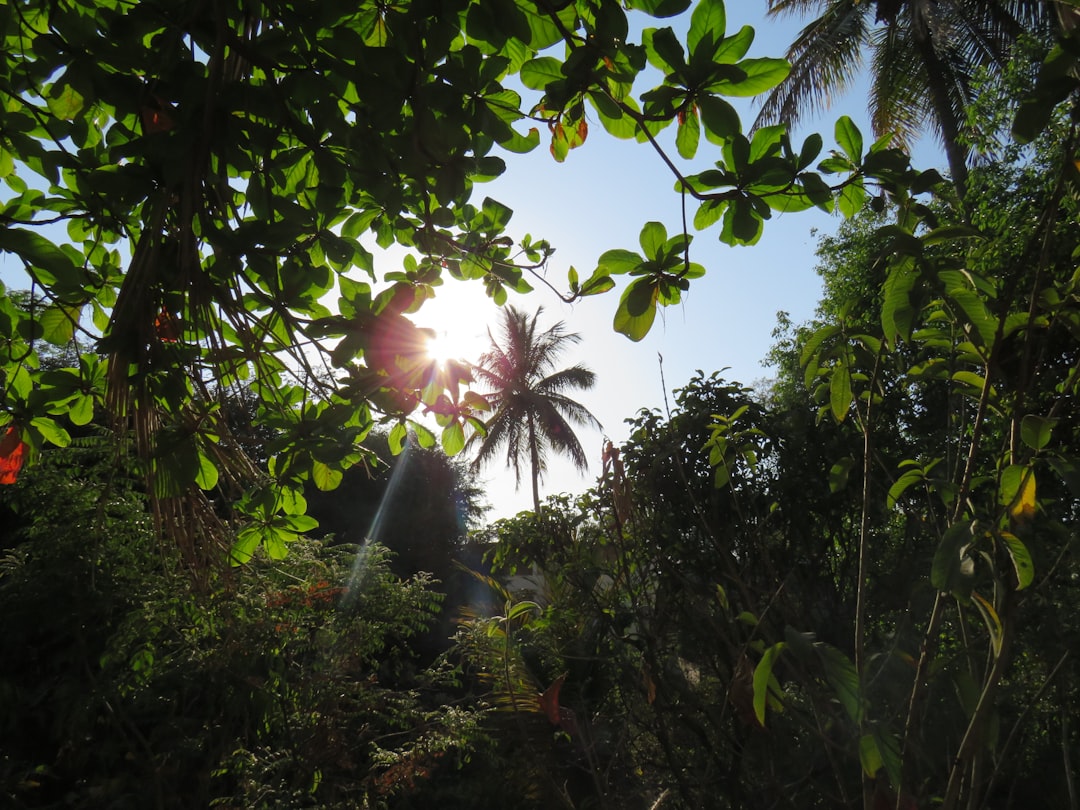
(549, 701)
(12, 456)
(166, 327)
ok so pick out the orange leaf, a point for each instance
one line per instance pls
(549, 701)
(12, 456)
(166, 327)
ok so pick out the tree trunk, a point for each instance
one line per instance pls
(955, 153)
(534, 457)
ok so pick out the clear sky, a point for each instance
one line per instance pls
(599, 199)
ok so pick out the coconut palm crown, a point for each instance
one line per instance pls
(531, 413)
(922, 54)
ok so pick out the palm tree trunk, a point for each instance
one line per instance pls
(534, 457)
(955, 152)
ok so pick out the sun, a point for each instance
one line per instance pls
(442, 347)
(457, 322)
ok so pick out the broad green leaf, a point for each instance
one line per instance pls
(453, 438)
(396, 438)
(660, 8)
(324, 476)
(757, 76)
(50, 431)
(301, 523)
(708, 19)
(903, 483)
(688, 133)
(1035, 431)
(51, 265)
(637, 309)
(1017, 491)
(840, 394)
(522, 608)
(719, 118)
(58, 323)
(81, 411)
(65, 102)
(596, 284)
(207, 476)
(851, 199)
(537, 73)
(1021, 560)
(653, 237)
(247, 540)
(869, 755)
(849, 139)
(735, 47)
(897, 311)
(496, 214)
(616, 262)
(764, 680)
(663, 49)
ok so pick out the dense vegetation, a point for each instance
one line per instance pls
(229, 571)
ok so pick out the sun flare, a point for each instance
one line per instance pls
(456, 323)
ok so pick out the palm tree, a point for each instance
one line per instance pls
(923, 55)
(530, 408)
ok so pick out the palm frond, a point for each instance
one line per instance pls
(825, 58)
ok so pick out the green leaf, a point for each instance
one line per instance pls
(897, 311)
(688, 134)
(653, 237)
(869, 755)
(840, 394)
(50, 431)
(660, 8)
(708, 20)
(764, 680)
(849, 139)
(324, 476)
(637, 309)
(537, 74)
(247, 540)
(453, 438)
(616, 262)
(51, 265)
(1017, 491)
(663, 49)
(911, 477)
(839, 472)
(207, 476)
(396, 438)
(1021, 560)
(81, 411)
(1035, 431)
(752, 77)
(851, 199)
(720, 119)
(58, 323)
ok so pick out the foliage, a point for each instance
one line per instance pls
(185, 187)
(854, 591)
(291, 684)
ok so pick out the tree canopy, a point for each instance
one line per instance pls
(187, 184)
